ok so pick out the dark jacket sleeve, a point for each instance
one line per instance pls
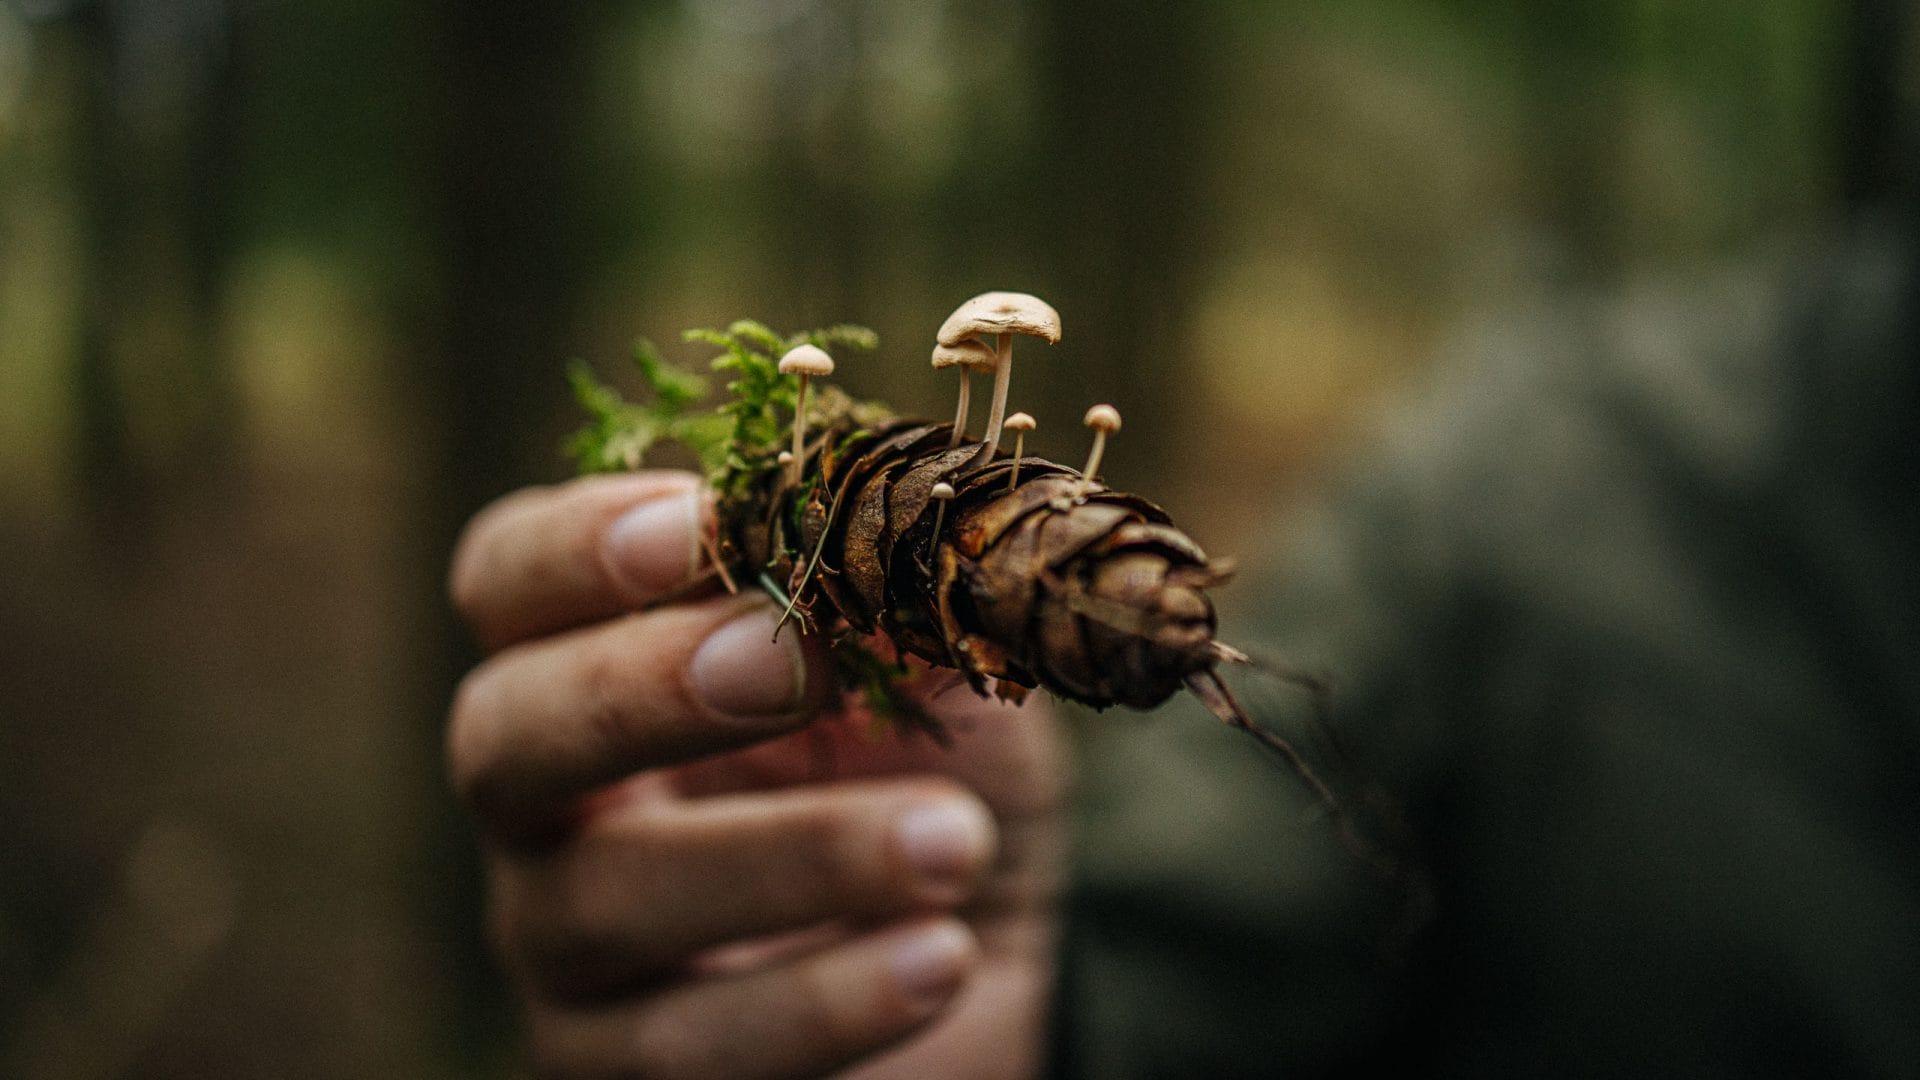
(1624, 611)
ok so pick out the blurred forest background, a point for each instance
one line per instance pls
(287, 291)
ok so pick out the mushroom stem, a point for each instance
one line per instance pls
(1093, 462)
(802, 362)
(799, 431)
(1104, 420)
(960, 413)
(943, 494)
(939, 518)
(719, 565)
(1019, 423)
(1002, 377)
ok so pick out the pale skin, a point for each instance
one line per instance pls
(698, 865)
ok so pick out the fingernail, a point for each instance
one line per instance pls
(945, 842)
(930, 962)
(741, 671)
(655, 547)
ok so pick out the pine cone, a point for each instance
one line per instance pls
(1090, 593)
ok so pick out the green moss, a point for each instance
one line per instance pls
(739, 441)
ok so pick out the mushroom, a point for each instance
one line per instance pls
(1002, 314)
(1019, 423)
(969, 356)
(805, 361)
(1104, 420)
(942, 493)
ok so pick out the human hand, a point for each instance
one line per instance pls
(699, 864)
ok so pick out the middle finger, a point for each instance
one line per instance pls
(543, 723)
(607, 908)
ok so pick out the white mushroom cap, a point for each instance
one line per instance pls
(806, 360)
(1104, 418)
(1001, 313)
(942, 490)
(1020, 422)
(969, 353)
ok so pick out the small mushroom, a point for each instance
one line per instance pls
(805, 361)
(1002, 315)
(1019, 423)
(942, 493)
(1104, 420)
(969, 356)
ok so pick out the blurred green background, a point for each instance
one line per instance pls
(287, 291)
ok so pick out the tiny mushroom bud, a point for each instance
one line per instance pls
(969, 356)
(1002, 315)
(1104, 420)
(1019, 423)
(805, 361)
(942, 493)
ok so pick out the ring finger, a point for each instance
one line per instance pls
(802, 1017)
(599, 913)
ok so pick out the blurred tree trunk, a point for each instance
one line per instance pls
(823, 151)
(154, 388)
(518, 211)
(514, 238)
(1123, 236)
(106, 459)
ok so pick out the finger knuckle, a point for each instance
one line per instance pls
(523, 943)
(665, 1046)
(468, 724)
(842, 1020)
(842, 849)
(611, 699)
(548, 1055)
(493, 540)
(464, 582)
(467, 576)
(557, 959)
(602, 894)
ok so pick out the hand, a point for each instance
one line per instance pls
(701, 866)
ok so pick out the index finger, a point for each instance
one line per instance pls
(553, 558)
(546, 722)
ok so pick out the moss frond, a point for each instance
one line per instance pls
(738, 441)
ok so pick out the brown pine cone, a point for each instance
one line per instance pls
(1090, 593)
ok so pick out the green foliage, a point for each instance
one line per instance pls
(619, 433)
(738, 441)
(760, 402)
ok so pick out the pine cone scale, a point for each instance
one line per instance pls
(1088, 592)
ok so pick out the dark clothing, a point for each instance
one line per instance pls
(1626, 611)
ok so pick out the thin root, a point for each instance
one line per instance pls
(1228, 654)
(719, 566)
(820, 545)
(1213, 693)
